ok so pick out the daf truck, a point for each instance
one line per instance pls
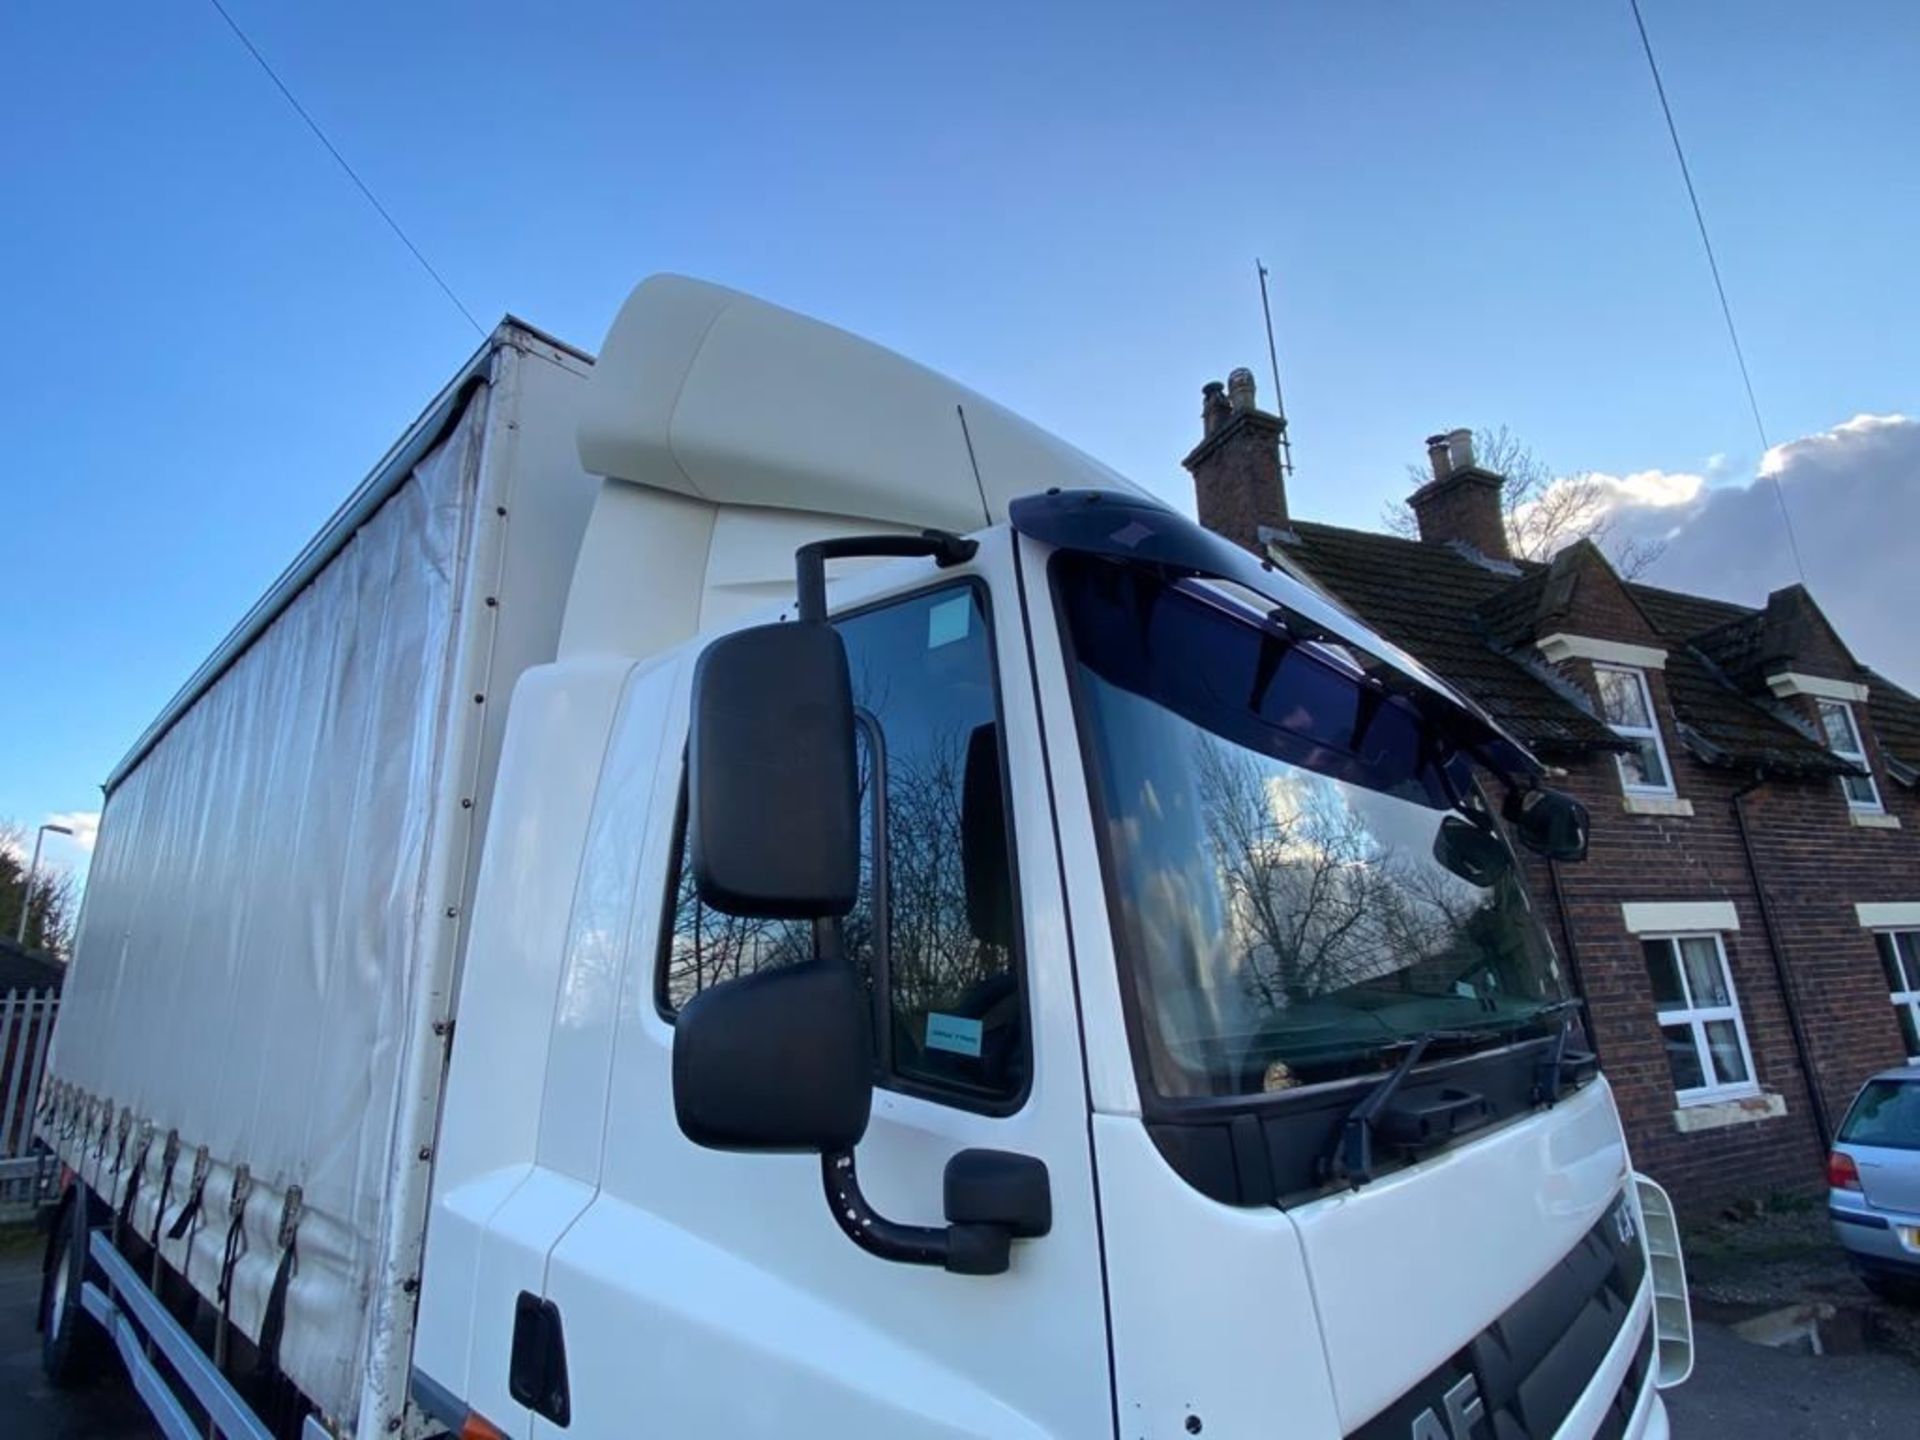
(739, 888)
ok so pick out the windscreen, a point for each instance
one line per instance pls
(1301, 874)
(1887, 1114)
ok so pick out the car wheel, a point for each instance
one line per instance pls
(72, 1344)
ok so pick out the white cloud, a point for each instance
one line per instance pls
(1569, 505)
(1853, 493)
(85, 825)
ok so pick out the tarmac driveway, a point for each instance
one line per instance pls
(1737, 1389)
(31, 1409)
(1756, 1393)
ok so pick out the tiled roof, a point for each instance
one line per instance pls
(1423, 597)
(1472, 623)
(1718, 646)
(1734, 645)
(1673, 613)
(1896, 723)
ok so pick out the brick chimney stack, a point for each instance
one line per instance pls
(1236, 466)
(1462, 501)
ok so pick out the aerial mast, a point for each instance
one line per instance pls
(1273, 360)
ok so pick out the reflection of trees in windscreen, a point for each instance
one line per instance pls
(934, 956)
(708, 946)
(1317, 900)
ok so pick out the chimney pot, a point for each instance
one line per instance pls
(1462, 501)
(1240, 388)
(1238, 488)
(1213, 406)
(1460, 449)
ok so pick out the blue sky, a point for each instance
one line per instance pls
(1470, 210)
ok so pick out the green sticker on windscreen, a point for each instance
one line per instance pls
(949, 621)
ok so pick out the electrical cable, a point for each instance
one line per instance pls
(341, 160)
(1713, 265)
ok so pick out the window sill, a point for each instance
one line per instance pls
(1713, 1114)
(1655, 805)
(1874, 820)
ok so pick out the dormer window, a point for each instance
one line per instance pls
(1627, 705)
(1843, 739)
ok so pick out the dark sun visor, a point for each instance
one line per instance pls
(1136, 531)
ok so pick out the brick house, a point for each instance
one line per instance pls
(1746, 928)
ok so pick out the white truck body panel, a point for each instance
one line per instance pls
(272, 923)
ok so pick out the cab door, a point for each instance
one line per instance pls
(711, 1293)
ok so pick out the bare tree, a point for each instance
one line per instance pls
(1544, 512)
(935, 958)
(1303, 877)
(935, 955)
(50, 908)
(1318, 900)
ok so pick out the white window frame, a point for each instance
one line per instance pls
(1858, 754)
(1910, 997)
(1649, 731)
(1697, 1016)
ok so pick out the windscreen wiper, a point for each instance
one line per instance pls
(1439, 1115)
(1550, 1075)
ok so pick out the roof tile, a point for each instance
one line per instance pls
(1472, 624)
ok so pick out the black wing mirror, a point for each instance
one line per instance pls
(1548, 822)
(772, 789)
(1473, 852)
(775, 1061)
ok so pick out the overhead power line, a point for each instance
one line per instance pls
(341, 160)
(1713, 265)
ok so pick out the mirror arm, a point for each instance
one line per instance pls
(810, 561)
(963, 1249)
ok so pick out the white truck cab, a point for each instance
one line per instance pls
(1144, 874)
(958, 949)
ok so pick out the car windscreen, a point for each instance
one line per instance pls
(1302, 878)
(1887, 1114)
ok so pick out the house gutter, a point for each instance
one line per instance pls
(1795, 1024)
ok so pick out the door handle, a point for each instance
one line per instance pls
(537, 1365)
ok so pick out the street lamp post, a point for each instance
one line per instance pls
(33, 873)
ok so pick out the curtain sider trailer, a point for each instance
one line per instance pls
(497, 955)
(265, 968)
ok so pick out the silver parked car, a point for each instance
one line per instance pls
(1873, 1182)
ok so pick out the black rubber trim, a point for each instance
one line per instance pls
(1854, 1217)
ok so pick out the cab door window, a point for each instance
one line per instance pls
(933, 931)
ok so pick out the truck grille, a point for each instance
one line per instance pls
(1531, 1365)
